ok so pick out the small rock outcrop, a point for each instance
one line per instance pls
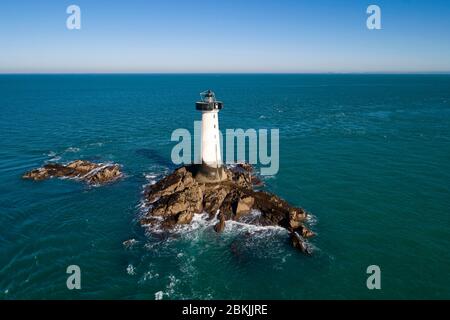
(176, 198)
(221, 224)
(89, 172)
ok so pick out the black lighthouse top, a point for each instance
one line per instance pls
(208, 102)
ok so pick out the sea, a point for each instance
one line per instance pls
(368, 155)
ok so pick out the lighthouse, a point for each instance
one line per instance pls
(211, 169)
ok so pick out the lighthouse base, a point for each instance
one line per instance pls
(205, 174)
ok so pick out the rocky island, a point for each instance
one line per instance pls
(175, 199)
(89, 172)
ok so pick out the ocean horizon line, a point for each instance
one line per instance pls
(232, 73)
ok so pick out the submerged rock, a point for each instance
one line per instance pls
(176, 198)
(89, 172)
(299, 242)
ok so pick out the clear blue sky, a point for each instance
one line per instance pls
(224, 36)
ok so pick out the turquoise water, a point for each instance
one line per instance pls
(368, 155)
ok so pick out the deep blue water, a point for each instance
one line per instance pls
(367, 155)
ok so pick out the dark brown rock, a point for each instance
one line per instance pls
(82, 166)
(299, 243)
(92, 173)
(243, 180)
(305, 232)
(296, 217)
(175, 182)
(185, 217)
(229, 205)
(276, 211)
(244, 206)
(257, 182)
(189, 199)
(213, 198)
(244, 175)
(247, 167)
(221, 224)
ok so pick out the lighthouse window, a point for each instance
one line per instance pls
(214, 126)
(214, 116)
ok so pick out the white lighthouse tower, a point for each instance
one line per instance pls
(211, 168)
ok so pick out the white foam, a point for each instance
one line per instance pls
(53, 156)
(311, 219)
(199, 222)
(152, 178)
(202, 222)
(149, 275)
(131, 270)
(170, 288)
(97, 144)
(159, 295)
(130, 243)
(72, 149)
(232, 226)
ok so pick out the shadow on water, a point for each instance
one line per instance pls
(156, 157)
